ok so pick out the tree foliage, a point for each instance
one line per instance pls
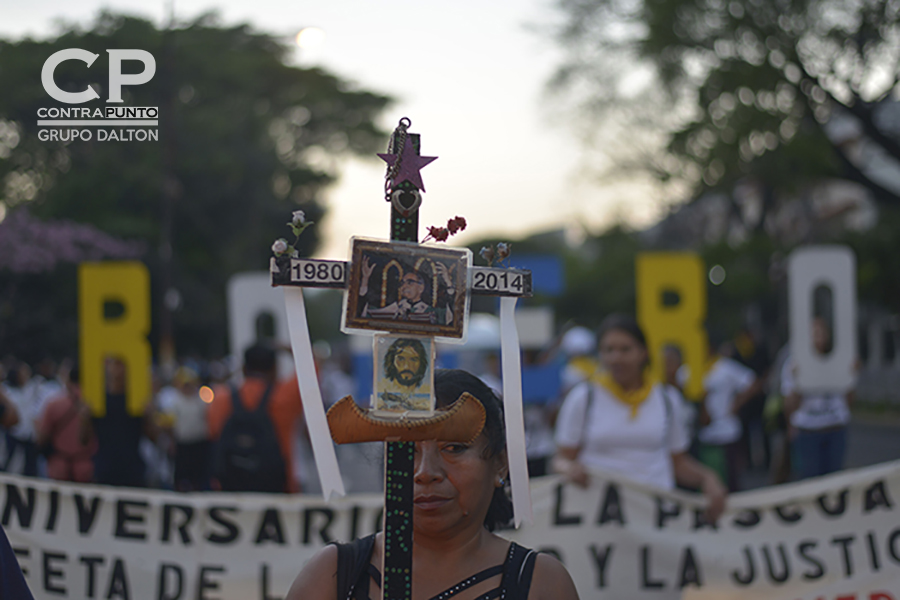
(740, 87)
(244, 139)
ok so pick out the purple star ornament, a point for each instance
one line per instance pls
(410, 165)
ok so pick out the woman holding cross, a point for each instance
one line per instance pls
(459, 499)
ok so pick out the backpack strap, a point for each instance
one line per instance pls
(667, 403)
(237, 403)
(352, 561)
(264, 401)
(588, 405)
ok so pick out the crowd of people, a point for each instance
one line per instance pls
(749, 413)
(606, 413)
(241, 433)
(176, 441)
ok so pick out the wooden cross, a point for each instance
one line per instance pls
(405, 198)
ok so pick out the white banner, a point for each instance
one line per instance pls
(833, 538)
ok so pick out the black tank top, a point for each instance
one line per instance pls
(355, 569)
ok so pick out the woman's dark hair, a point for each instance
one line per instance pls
(449, 385)
(622, 322)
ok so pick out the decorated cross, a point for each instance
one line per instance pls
(406, 295)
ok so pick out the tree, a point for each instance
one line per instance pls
(244, 140)
(740, 88)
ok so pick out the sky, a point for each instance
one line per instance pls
(470, 75)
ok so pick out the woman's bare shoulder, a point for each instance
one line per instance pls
(551, 580)
(318, 579)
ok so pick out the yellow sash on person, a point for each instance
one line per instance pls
(633, 399)
(584, 365)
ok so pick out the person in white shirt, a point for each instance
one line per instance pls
(623, 422)
(818, 420)
(20, 455)
(727, 385)
(190, 430)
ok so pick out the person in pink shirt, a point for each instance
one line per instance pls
(65, 425)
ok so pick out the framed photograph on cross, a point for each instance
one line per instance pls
(407, 289)
(404, 374)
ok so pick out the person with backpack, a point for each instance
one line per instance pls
(623, 422)
(251, 426)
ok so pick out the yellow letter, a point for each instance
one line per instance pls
(671, 299)
(124, 336)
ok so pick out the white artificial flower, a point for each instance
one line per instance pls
(280, 246)
(298, 218)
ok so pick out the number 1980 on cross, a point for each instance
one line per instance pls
(319, 273)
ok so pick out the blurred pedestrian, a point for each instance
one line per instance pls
(818, 420)
(190, 430)
(158, 452)
(9, 414)
(728, 386)
(252, 425)
(118, 460)
(65, 434)
(751, 351)
(21, 456)
(675, 374)
(578, 346)
(46, 381)
(623, 422)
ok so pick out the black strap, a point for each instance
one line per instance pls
(667, 404)
(518, 570)
(351, 566)
(238, 405)
(375, 574)
(354, 569)
(587, 412)
(469, 582)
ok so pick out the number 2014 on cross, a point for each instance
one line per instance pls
(499, 280)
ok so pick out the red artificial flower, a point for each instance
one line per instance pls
(439, 234)
(457, 224)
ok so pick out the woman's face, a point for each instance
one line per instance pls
(623, 356)
(453, 485)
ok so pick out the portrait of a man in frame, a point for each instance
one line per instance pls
(407, 289)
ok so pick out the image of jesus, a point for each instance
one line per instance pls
(406, 381)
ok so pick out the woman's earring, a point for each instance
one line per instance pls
(501, 481)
